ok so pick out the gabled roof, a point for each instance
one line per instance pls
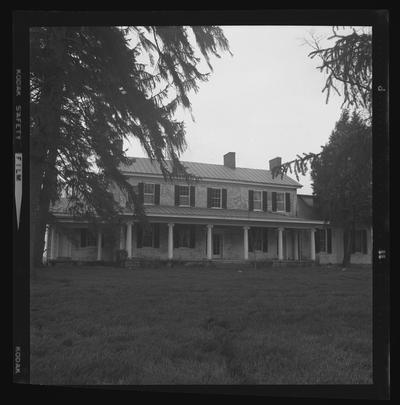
(209, 171)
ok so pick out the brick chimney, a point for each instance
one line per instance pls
(274, 163)
(230, 160)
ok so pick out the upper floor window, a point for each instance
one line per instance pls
(280, 202)
(257, 200)
(216, 198)
(184, 196)
(148, 193)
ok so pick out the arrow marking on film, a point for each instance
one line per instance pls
(18, 185)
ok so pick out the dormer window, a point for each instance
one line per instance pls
(148, 193)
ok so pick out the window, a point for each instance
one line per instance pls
(184, 236)
(280, 202)
(148, 236)
(184, 196)
(88, 238)
(323, 240)
(257, 242)
(216, 200)
(257, 200)
(148, 193)
(360, 241)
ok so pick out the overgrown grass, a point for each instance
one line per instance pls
(103, 325)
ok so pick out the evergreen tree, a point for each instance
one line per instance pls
(348, 66)
(342, 177)
(90, 90)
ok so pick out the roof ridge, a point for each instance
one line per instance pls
(202, 163)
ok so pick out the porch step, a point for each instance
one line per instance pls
(155, 263)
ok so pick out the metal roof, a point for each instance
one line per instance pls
(212, 171)
(60, 209)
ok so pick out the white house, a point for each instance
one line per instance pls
(231, 214)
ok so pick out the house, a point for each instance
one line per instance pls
(230, 214)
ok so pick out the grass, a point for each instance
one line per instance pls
(102, 325)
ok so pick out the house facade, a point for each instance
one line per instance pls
(230, 214)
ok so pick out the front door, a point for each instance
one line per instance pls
(217, 246)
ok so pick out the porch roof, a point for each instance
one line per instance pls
(204, 215)
(224, 215)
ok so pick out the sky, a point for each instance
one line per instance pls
(264, 101)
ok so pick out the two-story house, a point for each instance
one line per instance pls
(232, 213)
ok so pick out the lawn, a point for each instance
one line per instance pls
(102, 325)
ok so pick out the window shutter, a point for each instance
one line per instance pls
(176, 236)
(329, 240)
(139, 235)
(140, 192)
(176, 195)
(317, 239)
(274, 201)
(353, 241)
(156, 230)
(364, 241)
(83, 237)
(251, 239)
(265, 200)
(265, 239)
(224, 198)
(192, 196)
(251, 200)
(192, 236)
(157, 194)
(208, 198)
(287, 202)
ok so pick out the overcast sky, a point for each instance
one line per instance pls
(264, 101)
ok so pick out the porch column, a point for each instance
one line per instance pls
(246, 242)
(312, 242)
(209, 241)
(52, 242)
(296, 244)
(121, 237)
(280, 243)
(99, 243)
(129, 239)
(170, 241)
